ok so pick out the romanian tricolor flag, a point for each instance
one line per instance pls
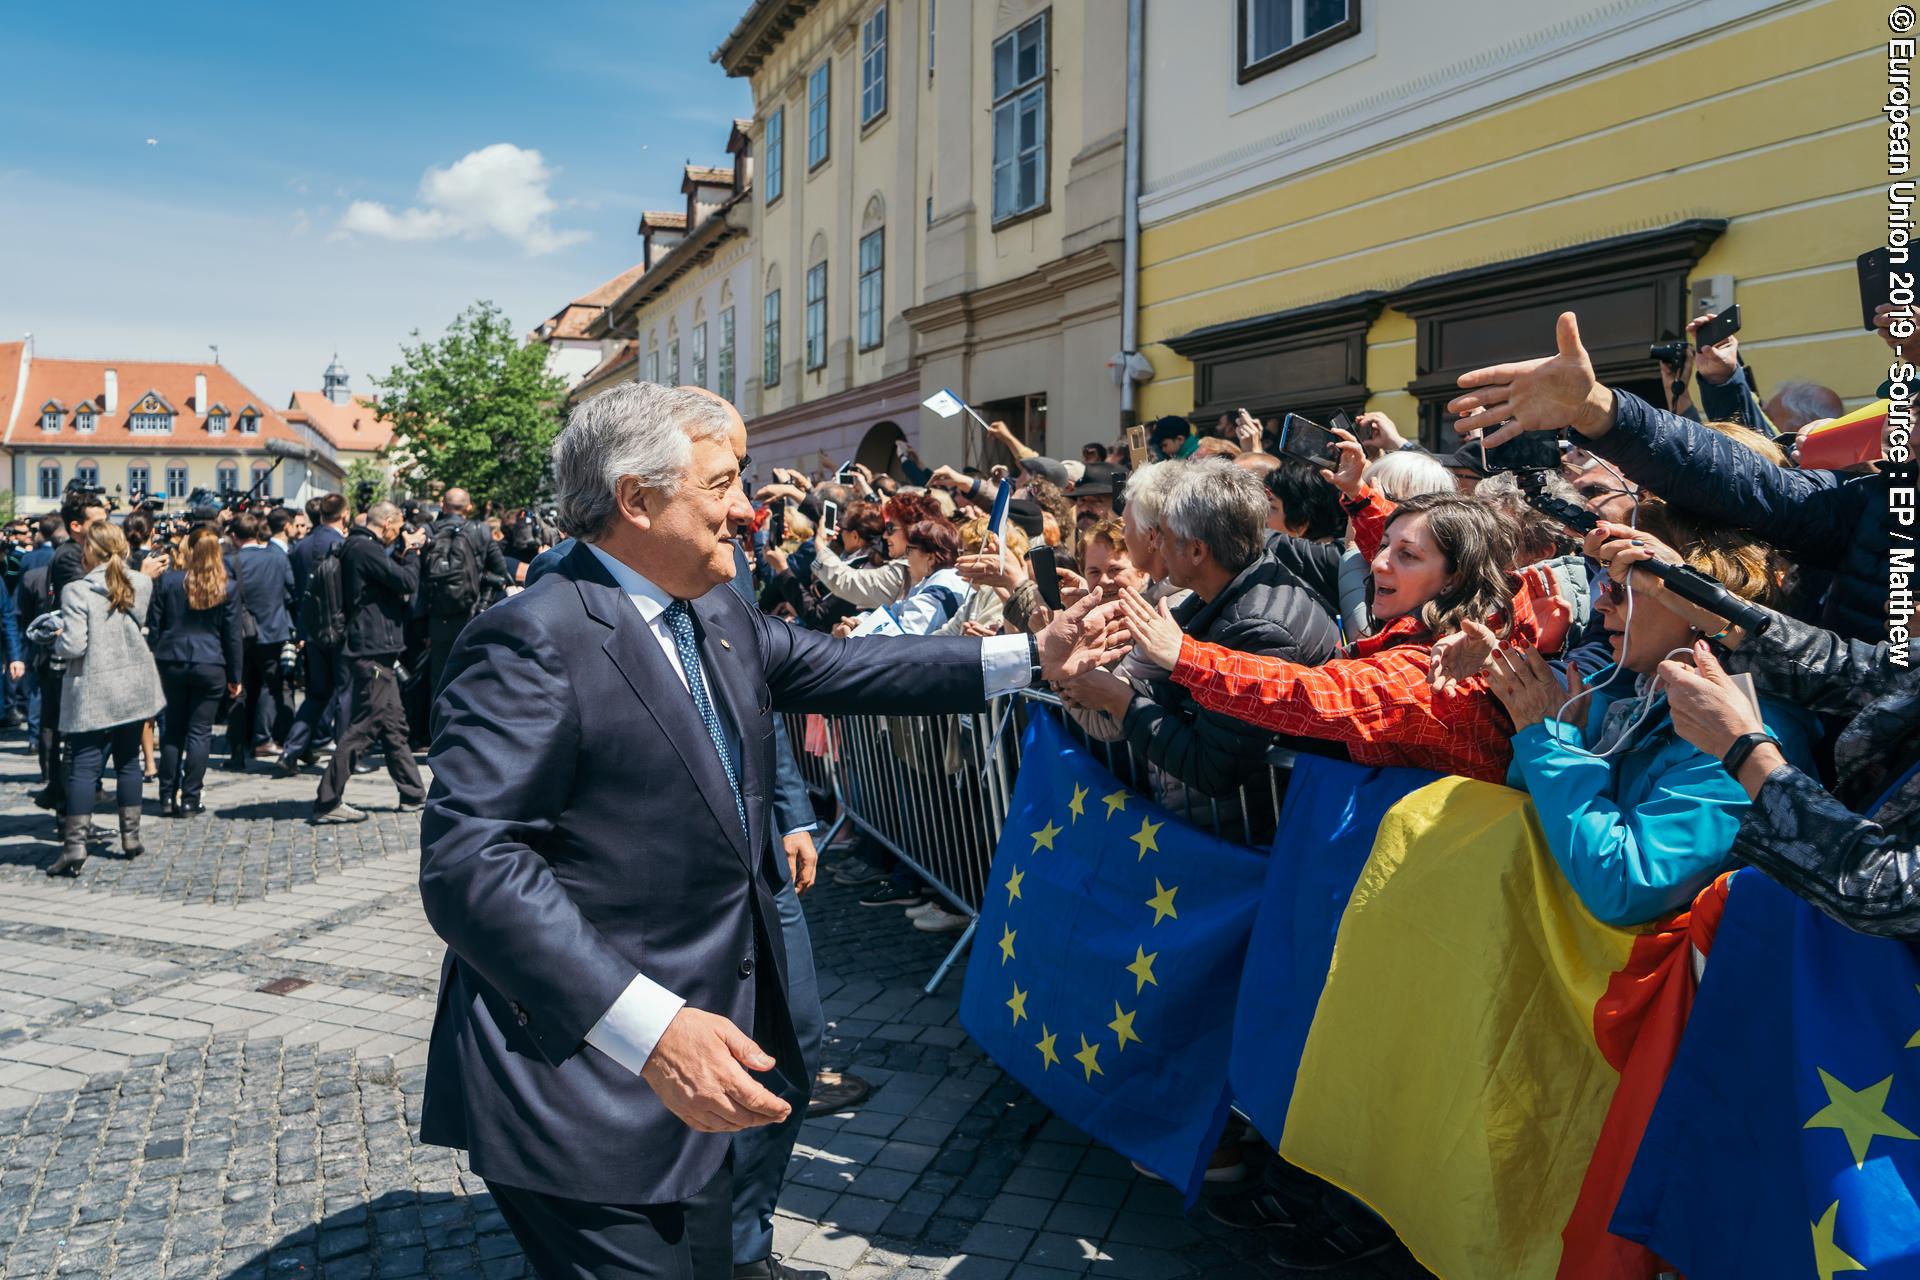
(1846, 441)
(1484, 1052)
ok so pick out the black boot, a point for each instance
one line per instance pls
(130, 831)
(73, 845)
(169, 805)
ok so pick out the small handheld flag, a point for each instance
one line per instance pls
(997, 522)
(1848, 440)
(943, 402)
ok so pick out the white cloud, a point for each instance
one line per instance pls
(499, 190)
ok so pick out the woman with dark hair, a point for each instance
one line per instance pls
(108, 690)
(1437, 562)
(195, 633)
(928, 547)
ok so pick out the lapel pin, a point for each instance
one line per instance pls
(724, 644)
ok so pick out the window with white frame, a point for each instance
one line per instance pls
(873, 276)
(84, 421)
(775, 161)
(653, 366)
(700, 355)
(873, 66)
(723, 359)
(249, 424)
(50, 419)
(817, 316)
(770, 339)
(217, 423)
(139, 480)
(50, 480)
(177, 482)
(1273, 33)
(819, 91)
(150, 423)
(226, 477)
(1020, 120)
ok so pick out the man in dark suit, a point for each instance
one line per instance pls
(266, 592)
(598, 855)
(324, 711)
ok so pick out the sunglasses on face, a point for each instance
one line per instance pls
(1617, 592)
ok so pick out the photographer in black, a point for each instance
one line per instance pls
(324, 711)
(463, 567)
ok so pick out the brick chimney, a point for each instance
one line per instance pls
(112, 398)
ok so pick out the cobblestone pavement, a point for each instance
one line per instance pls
(211, 1061)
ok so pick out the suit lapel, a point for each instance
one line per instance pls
(640, 660)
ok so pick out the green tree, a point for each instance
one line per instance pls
(476, 409)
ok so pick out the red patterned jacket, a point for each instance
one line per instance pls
(1376, 700)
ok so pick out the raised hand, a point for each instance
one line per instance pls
(1156, 636)
(1547, 394)
(1709, 710)
(698, 1069)
(1718, 362)
(1352, 462)
(1461, 656)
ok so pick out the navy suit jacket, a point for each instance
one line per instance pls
(581, 829)
(266, 588)
(305, 554)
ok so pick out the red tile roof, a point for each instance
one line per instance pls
(708, 176)
(355, 426)
(78, 384)
(571, 321)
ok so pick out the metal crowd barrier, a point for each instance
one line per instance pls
(934, 791)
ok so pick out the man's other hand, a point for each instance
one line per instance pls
(803, 860)
(699, 1070)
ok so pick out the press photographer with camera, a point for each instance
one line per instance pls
(380, 572)
(323, 712)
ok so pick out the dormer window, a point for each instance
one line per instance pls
(83, 421)
(150, 416)
(50, 418)
(249, 422)
(217, 422)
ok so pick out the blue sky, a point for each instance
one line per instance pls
(285, 207)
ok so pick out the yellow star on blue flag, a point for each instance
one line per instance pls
(1162, 901)
(1043, 838)
(1116, 802)
(1145, 837)
(1078, 805)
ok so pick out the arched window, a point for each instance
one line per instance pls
(87, 471)
(50, 480)
(226, 477)
(262, 483)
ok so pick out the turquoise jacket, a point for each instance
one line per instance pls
(1640, 834)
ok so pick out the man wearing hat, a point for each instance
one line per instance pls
(1093, 496)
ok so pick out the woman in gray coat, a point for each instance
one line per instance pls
(109, 690)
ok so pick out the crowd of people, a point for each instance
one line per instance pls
(304, 631)
(1398, 606)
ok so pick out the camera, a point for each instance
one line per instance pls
(1672, 354)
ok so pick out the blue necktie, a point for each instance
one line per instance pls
(680, 621)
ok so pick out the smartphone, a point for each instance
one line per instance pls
(830, 518)
(1876, 288)
(1310, 442)
(1532, 451)
(1341, 422)
(1046, 575)
(1720, 328)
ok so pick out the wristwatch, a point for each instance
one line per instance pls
(1033, 657)
(1743, 746)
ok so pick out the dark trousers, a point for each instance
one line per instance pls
(29, 687)
(90, 750)
(50, 738)
(574, 1240)
(324, 712)
(193, 701)
(760, 1155)
(441, 633)
(376, 713)
(250, 723)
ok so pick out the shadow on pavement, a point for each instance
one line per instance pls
(402, 1235)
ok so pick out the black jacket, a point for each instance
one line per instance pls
(494, 572)
(266, 585)
(69, 564)
(178, 632)
(305, 554)
(378, 585)
(1823, 519)
(1264, 610)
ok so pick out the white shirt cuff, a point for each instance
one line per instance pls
(1004, 664)
(810, 827)
(628, 1031)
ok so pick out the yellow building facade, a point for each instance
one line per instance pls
(1352, 222)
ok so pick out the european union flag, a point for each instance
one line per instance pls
(1324, 837)
(1107, 958)
(1787, 1139)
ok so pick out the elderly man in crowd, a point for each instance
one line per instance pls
(1212, 535)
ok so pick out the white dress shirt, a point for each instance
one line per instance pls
(629, 1030)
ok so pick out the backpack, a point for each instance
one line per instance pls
(323, 610)
(453, 572)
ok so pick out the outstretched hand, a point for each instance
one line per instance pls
(1461, 656)
(1556, 391)
(1156, 636)
(1073, 641)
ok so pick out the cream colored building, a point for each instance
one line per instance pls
(1350, 214)
(687, 318)
(926, 220)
